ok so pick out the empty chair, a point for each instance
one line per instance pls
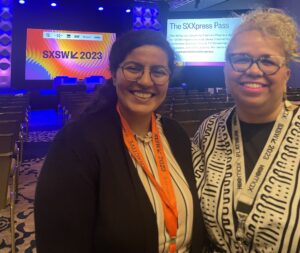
(67, 98)
(199, 115)
(293, 97)
(182, 106)
(8, 180)
(179, 99)
(13, 108)
(200, 106)
(14, 127)
(15, 100)
(21, 117)
(10, 126)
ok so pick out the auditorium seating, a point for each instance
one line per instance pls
(72, 104)
(293, 95)
(14, 110)
(15, 107)
(8, 179)
(191, 107)
(13, 126)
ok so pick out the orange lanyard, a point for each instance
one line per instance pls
(165, 191)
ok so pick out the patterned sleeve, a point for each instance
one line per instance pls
(196, 137)
(198, 164)
(199, 156)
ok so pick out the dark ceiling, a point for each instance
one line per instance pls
(172, 5)
(91, 2)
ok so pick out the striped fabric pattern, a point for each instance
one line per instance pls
(182, 193)
(273, 223)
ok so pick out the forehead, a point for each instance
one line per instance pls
(256, 43)
(148, 55)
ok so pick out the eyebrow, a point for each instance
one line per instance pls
(261, 56)
(151, 66)
(132, 62)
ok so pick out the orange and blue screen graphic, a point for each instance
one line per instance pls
(80, 54)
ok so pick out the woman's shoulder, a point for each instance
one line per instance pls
(174, 132)
(218, 118)
(89, 126)
(171, 125)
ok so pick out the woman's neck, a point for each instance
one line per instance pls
(258, 116)
(138, 124)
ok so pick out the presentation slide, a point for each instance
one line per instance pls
(200, 42)
(80, 54)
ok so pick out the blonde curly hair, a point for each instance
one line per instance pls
(273, 22)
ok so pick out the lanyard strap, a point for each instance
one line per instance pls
(244, 193)
(238, 158)
(165, 190)
(247, 192)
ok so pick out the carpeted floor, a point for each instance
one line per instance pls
(25, 237)
(35, 150)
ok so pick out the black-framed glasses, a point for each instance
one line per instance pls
(133, 71)
(267, 64)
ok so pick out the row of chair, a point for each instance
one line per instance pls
(189, 114)
(72, 104)
(13, 129)
(190, 109)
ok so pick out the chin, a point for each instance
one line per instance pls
(140, 111)
(142, 108)
(252, 104)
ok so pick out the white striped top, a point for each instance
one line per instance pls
(182, 192)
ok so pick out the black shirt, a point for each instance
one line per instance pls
(254, 137)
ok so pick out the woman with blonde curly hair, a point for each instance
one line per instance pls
(248, 171)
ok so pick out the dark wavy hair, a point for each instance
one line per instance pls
(106, 96)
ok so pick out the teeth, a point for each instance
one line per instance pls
(253, 85)
(142, 94)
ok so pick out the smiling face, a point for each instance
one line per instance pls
(140, 98)
(252, 90)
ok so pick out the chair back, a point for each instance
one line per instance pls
(10, 126)
(7, 143)
(12, 116)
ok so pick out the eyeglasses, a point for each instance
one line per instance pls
(269, 65)
(159, 74)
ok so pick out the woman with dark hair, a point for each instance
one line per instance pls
(120, 179)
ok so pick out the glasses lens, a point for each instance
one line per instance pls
(269, 65)
(132, 71)
(160, 74)
(240, 62)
